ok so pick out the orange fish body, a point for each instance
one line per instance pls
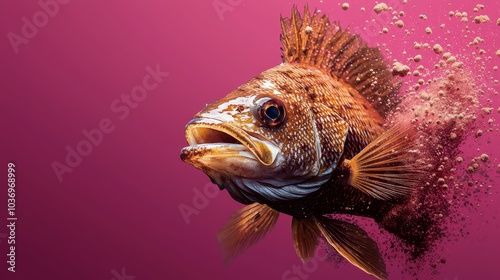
(308, 138)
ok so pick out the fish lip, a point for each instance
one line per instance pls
(202, 134)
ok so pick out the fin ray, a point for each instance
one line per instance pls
(246, 227)
(305, 238)
(311, 39)
(384, 169)
(354, 244)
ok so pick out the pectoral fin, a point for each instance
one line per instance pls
(354, 244)
(245, 228)
(305, 237)
(386, 168)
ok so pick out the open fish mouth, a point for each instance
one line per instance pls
(211, 140)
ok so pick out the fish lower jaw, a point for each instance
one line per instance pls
(214, 150)
(227, 158)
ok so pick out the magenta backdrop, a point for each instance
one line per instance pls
(114, 213)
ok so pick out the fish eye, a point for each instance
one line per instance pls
(271, 112)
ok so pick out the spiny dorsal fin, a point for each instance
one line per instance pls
(312, 40)
(305, 238)
(354, 244)
(386, 169)
(246, 227)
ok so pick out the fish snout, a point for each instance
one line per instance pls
(211, 140)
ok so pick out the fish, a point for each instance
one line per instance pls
(309, 138)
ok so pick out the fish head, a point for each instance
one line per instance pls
(260, 142)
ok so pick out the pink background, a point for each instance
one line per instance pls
(119, 208)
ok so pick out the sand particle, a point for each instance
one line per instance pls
(437, 48)
(345, 6)
(458, 64)
(400, 69)
(428, 30)
(484, 157)
(477, 40)
(487, 110)
(451, 60)
(481, 19)
(380, 7)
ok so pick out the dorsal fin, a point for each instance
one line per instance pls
(312, 40)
